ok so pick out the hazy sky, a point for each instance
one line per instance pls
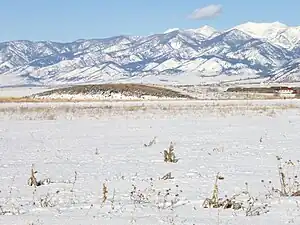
(68, 20)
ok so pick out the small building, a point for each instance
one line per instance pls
(286, 92)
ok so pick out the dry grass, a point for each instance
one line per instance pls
(47, 111)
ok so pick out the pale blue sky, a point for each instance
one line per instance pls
(68, 20)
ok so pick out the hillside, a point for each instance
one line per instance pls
(111, 92)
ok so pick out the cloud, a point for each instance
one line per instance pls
(206, 12)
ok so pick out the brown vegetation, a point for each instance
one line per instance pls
(266, 90)
(137, 90)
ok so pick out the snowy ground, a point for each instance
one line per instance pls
(104, 144)
(21, 91)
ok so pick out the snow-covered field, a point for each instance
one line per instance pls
(82, 146)
(21, 91)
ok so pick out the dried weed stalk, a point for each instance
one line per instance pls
(104, 193)
(169, 155)
(170, 199)
(138, 196)
(288, 172)
(9, 207)
(251, 205)
(152, 142)
(167, 176)
(214, 201)
(48, 200)
(13, 211)
(254, 208)
(74, 181)
(32, 181)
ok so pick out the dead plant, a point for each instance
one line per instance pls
(214, 201)
(169, 155)
(152, 142)
(74, 181)
(254, 208)
(288, 172)
(167, 176)
(32, 181)
(104, 193)
(48, 200)
(250, 205)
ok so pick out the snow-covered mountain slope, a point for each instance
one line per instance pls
(248, 50)
(290, 72)
(276, 33)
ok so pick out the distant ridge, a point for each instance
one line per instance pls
(250, 52)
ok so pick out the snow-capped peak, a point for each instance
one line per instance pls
(171, 30)
(277, 33)
(261, 30)
(205, 31)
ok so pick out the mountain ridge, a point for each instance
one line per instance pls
(250, 50)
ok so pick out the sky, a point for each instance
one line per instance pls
(69, 20)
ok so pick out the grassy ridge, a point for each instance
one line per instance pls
(137, 90)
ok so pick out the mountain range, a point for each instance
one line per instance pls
(264, 52)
